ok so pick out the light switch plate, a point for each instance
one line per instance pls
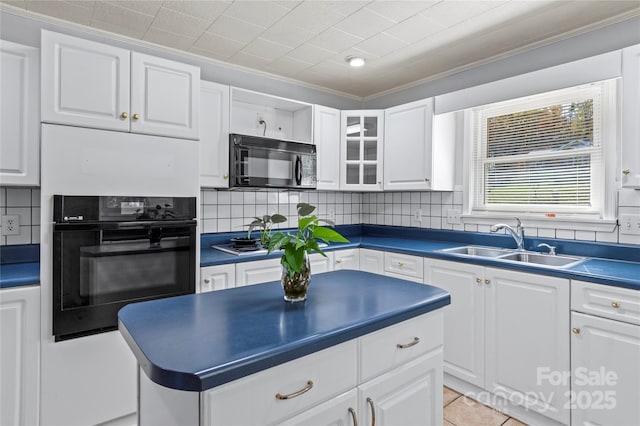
(630, 224)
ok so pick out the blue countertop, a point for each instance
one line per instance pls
(622, 272)
(200, 341)
(19, 274)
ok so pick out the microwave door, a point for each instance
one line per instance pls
(265, 167)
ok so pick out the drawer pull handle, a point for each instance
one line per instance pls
(615, 305)
(487, 282)
(575, 330)
(479, 280)
(415, 341)
(373, 411)
(297, 393)
(353, 416)
(338, 261)
(207, 280)
(400, 264)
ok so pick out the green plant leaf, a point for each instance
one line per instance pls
(328, 235)
(304, 222)
(278, 218)
(313, 245)
(294, 259)
(277, 241)
(305, 209)
(328, 222)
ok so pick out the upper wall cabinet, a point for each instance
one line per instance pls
(214, 135)
(19, 114)
(95, 85)
(259, 114)
(361, 150)
(419, 148)
(326, 136)
(630, 114)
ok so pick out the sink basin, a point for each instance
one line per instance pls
(542, 259)
(478, 251)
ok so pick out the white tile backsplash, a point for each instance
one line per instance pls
(24, 202)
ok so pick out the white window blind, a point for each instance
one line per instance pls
(541, 153)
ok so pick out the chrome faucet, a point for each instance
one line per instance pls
(518, 234)
(552, 249)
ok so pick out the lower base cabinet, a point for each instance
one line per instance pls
(375, 379)
(19, 355)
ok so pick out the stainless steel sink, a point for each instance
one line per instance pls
(510, 255)
(558, 261)
(478, 251)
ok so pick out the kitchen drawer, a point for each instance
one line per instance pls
(380, 351)
(252, 399)
(616, 303)
(404, 266)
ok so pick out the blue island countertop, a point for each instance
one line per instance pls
(200, 341)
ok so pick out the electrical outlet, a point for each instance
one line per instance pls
(331, 214)
(453, 217)
(630, 224)
(11, 224)
(417, 215)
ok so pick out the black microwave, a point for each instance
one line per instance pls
(258, 162)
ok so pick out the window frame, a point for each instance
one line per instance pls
(550, 216)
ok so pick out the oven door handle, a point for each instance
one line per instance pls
(103, 226)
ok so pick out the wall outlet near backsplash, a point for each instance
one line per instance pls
(10, 224)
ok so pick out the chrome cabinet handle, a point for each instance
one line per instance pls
(487, 282)
(207, 280)
(353, 416)
(615, 305)
(226, 176)
(575, 330)
(626, 171)
(479, 280)
(297, 393)
(338, 261)
(373, 411)
(415, 341)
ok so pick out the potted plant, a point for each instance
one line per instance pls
(296, 247)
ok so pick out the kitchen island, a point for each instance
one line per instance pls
(362, 345)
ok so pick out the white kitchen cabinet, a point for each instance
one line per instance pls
(19, 114)
(258, 271)
(630, 148)
(320, 263)
(90, 84)
(404, 387)
(361, 150)
(605, 365)
(346, 259)
(326, 136)
(260, 114)
(372, 261)
(464, 318)
(404, 266)
(19, 355)
(214, 135)
(217, 277)
(419, 148)
(502, 327)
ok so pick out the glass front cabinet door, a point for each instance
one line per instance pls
(361, 142)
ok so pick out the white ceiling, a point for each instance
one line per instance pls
(402, 41)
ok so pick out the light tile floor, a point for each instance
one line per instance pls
(462, 411)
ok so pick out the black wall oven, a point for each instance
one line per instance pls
(112, 250)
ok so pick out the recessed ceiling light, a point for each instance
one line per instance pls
(355, 61)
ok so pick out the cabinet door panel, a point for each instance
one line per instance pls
(527, 323)
(347, 259)
(260, 271)
(20, 116)
(166, 96)
(320, 263)
(407, 148)
(214, 135)
(84, 83)
(409, 395)
(217, 277)
(372, 261)
(326, 136)
(334, 412)
(610, 350)
(630, 112)
(463, 319)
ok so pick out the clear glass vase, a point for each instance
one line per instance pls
(295, 285)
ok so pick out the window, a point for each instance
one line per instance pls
(542, 153)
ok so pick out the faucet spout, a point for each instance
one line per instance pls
(517, 234)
